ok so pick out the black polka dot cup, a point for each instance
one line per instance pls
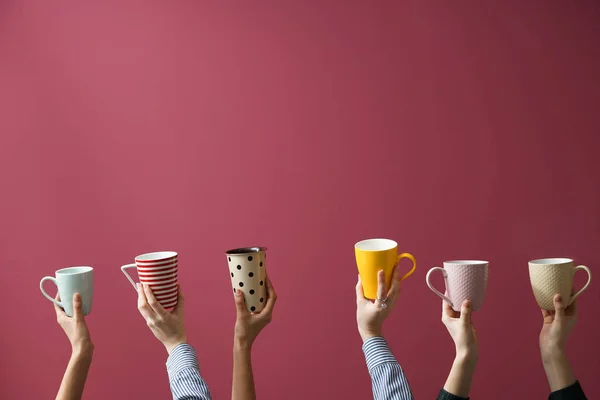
(247, 270)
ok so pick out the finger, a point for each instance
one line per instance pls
(360, 295)
(77, 307)
(271, 298)
(395, 286)
(448, 311)
(545, 313)
(154, 304)
(60, 313)
(240, 303)
(381, 289)
(178, 310)
(143, 305)
(446, 308)
(465, 313)
(559, 307)
(271, 289)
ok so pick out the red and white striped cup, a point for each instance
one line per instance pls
(159, 271)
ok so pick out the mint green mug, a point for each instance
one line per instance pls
(70, 281)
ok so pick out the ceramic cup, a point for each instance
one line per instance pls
(465, 280)
(551, 276)
(70, 281)
(159, 271)
(247, 269)
(373, 255)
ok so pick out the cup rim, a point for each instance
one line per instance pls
(76, 270)
(390, 244)
(551, 261)
(240, 251)
(157, 266)
(467, 262)
(156, 256)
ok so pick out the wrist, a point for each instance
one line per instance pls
(242, 345)
(552, 354)
(466, 357)
(82, 349)
(558, 370)
(171, 345)
(367, 334)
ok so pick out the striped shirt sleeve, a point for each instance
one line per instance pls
(184, 375)
(387, 377)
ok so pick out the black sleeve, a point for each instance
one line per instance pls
(449, 396)
(573, 392)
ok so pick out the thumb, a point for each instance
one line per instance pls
(360, 295)
(180, 301)
(465, 312)
(559, 307)
(240, 303)
(77, 308)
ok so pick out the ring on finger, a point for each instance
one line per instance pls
(382, 302)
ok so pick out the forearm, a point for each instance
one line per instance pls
(558, 370)
(461, 375)
(387, 378)
(73, 382)
(242, 387)
(184, 374)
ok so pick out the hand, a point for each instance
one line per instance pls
(370, 315)
(75, 327)
(464, 336)
(556, 328)
(167, 326)
(461, 330)
(248, 325)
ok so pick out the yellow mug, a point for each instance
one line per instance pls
(373, 255)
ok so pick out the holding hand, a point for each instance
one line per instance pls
(167, 326)
(248, 325)
(557, 327)
(73, 382)
(461, 329)
(464, 335)
(370, 315)
(553, 339)
(75, 327)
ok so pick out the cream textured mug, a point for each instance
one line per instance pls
(551, 276)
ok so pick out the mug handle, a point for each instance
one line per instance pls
(410, 257)
(446, 299)
(123, 268)
(49, 278)
(586, 269)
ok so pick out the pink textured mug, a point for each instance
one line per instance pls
(465, 280)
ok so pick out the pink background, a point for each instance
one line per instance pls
(459, 130)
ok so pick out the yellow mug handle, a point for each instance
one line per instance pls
(412, 258)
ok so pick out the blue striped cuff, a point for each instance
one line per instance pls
(377, 352)
(182, 357)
